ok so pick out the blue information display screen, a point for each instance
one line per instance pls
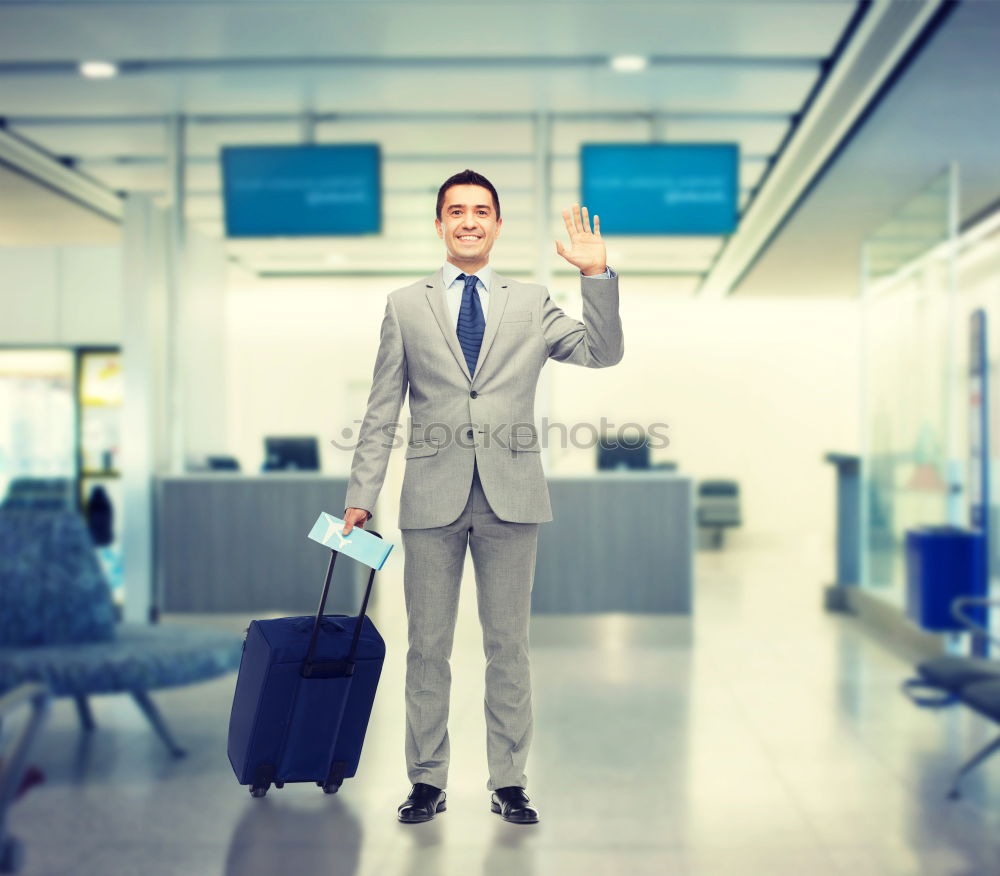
(661, 188)
(294, 191)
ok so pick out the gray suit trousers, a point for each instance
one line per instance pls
(503, 555)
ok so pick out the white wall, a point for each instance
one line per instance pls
(754, 389)
(758, 390)
(73, 296)
(60, 295)
(299, 360)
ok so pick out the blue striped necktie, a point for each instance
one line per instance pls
(471, 323)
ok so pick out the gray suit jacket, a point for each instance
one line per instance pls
(455, 420)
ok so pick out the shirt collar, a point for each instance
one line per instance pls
(449, 273)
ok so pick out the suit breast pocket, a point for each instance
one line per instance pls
(516, 324)
(517, 317)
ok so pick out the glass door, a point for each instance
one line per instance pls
(37, 425)
(99, 401)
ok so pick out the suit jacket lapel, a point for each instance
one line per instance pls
(498, 301)
(436, 299)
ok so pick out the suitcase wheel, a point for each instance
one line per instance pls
(258, 790)
(331, 788)
(279, 784)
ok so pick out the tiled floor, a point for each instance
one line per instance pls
(768, 738)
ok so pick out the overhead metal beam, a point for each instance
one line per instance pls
(415, 157)
(138, 67)
(404, 190)
(409, 117)
(31, 161)
(417, 268)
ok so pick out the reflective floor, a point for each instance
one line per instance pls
(766, 738)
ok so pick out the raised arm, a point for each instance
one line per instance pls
(597, 342)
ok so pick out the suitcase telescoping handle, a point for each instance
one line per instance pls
(311, 668)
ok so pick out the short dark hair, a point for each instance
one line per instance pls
(467, 178)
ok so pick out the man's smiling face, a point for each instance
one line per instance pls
(468, 225)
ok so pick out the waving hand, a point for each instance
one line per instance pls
(586, 248)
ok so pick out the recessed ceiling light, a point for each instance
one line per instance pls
(629, 63)
(98, 69)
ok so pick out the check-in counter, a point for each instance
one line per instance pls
(619, 542)
(230, 542)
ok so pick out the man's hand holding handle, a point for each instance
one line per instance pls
(355, 517)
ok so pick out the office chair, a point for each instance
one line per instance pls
(718, 507)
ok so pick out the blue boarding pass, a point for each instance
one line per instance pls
(357, 544)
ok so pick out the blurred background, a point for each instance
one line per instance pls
(202, 208)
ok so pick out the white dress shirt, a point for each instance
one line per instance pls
(453, 288)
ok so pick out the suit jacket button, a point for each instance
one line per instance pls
(474, 394)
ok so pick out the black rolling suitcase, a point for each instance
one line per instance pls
(303, 697)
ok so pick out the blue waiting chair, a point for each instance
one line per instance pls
(58, 624)
(950, 680)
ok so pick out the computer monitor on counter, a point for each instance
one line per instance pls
(291, 453)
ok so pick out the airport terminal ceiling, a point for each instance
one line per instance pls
(946, 107)
(248, 72)
(263, 72)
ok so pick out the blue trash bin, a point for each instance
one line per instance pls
(943, 563)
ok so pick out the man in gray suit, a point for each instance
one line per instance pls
(469, 345)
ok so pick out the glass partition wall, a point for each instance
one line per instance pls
(979, 289)
(913, 441)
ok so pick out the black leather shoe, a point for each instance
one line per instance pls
(424, 802)
(512, 805)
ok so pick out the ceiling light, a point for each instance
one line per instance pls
(98, 69)
(629, 63)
